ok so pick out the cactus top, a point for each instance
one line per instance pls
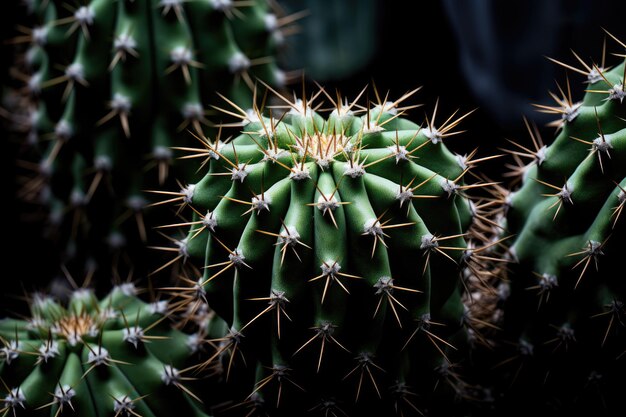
(115, 356)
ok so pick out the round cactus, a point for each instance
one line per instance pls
(117, 356)
(335, 249)
(563, 309)
(111, 86)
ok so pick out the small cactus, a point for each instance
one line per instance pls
(117, 356)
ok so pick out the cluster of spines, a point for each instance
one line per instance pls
(298, 170)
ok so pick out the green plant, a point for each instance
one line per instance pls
(565, 312)
(117, 356)
(334, 249)
(111, 86)
(336, 40)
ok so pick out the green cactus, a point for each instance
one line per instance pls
(333, 247)
(564, 305)
(113, 85)
(118, 356)
(336, 40)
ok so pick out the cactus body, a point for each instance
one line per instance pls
(333, 248)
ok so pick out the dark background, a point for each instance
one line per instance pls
(470, 54)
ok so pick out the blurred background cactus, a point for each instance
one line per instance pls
(109, 88)
(336, 40)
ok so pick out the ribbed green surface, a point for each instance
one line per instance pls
(315, 240)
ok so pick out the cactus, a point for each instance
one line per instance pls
(333, 247)
(565, 312)
(117, 356)
(112, 86)
(336, 40)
